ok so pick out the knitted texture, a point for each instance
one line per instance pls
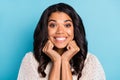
(92, 70)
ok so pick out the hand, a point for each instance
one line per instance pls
(48, 50)
(72, 49)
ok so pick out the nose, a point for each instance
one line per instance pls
(60, 29)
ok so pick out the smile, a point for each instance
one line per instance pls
(60, 38)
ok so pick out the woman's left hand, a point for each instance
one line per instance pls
(72, 49)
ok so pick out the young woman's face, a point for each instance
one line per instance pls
(60, 29)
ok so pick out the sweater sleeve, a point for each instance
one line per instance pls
(28, 68)
(92, 70)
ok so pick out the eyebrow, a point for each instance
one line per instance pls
(68, 20)
(51, 20)
(55, 20)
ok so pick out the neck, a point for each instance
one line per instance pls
(60, 51)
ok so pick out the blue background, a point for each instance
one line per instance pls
(18, 19)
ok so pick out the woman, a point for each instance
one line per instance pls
(60, 49)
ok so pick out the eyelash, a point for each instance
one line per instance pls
(52, 25)
(67, 25)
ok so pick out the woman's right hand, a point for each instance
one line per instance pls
(48, 50)
(56, 59)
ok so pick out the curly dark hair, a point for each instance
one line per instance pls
(41, 37)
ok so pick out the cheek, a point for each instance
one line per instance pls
(71, 33)
(50, 33)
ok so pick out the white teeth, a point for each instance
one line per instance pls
(60, 38)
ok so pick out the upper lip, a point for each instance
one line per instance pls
(60, 37)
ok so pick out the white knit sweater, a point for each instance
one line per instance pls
(92, 69)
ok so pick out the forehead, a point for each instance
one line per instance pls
(59, 16)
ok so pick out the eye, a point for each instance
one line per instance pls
(52, 25)
(68, 25)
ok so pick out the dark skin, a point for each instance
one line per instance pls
(60, 47)
(61, 67)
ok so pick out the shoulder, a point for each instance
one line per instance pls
(29, 56)
(93, 68)
(29, 59)
(91, 57)
(92, 61)
(28, 66)
(29, 63)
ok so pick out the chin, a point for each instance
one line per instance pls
(60, 46)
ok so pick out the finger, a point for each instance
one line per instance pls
(74, 46)
(69, 46)
(50, 45)
(45, 47)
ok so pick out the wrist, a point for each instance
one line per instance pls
(57, 62)
(65, 59)
(65, 62)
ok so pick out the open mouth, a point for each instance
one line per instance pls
(60, 38)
